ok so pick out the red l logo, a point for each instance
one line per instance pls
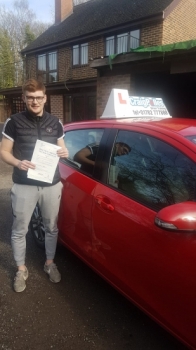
(122, 102)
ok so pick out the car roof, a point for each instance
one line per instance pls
(182, 126)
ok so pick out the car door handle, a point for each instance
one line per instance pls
(104, 203)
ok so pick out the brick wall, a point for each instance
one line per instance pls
(56, 106)
(96, 48)
(151, 34)
(62, 9)
(31, 67)
(180, 24)
(64, 64)
(68, 72)
(106, 84)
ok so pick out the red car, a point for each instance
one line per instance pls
(128, 210)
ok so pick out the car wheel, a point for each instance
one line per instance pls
(37, 227)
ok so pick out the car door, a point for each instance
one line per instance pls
(153, 267)
(79, 181)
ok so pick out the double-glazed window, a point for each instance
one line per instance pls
(47, 66)
(122, 42)
(80, 54)
(151, 171)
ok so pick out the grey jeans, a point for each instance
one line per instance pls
(24, 199)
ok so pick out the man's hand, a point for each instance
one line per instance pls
(63, 152)
(7, 156)
(25, 165)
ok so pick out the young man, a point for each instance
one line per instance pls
(87, 155)
(20, 133)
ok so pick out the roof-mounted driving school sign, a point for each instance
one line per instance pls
(121, 105)
(118, 105)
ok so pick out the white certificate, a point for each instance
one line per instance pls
(45, 159)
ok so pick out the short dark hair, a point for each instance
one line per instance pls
(123, 144)
(33, 85)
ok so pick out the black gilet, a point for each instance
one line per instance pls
(29, 129)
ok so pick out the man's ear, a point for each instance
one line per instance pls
(23, 97)
(45, 98)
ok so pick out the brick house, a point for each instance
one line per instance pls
(72, 56)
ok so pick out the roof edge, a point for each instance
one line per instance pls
(170, 8)
(154, 17)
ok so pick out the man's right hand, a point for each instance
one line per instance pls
(25, 165)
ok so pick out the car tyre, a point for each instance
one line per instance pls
(37, 228)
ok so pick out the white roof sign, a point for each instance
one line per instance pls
(121, 105)
(118, 105)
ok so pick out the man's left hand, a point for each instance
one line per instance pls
(63, 152)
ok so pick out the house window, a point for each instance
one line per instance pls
(134, 39)
(42, 66)
(109, 45)
(122, 42)
(80, 54)
(47, 66)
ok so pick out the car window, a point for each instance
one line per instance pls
(192, 138)
(83, 145)
(151, 171)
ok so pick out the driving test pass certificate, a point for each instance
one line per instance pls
(45, 159)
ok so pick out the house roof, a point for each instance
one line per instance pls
(97, 16)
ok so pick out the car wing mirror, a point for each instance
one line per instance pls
(177, 217)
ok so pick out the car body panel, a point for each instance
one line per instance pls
(143, 260)
(75, 212)
(117, 237)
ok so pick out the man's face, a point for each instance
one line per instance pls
(121, 149)
(35, 102)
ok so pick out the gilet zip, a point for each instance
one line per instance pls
(38, 128)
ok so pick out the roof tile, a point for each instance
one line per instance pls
(96, 15)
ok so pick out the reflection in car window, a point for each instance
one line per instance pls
(153, 172)
(192, 138)
(83, 146)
